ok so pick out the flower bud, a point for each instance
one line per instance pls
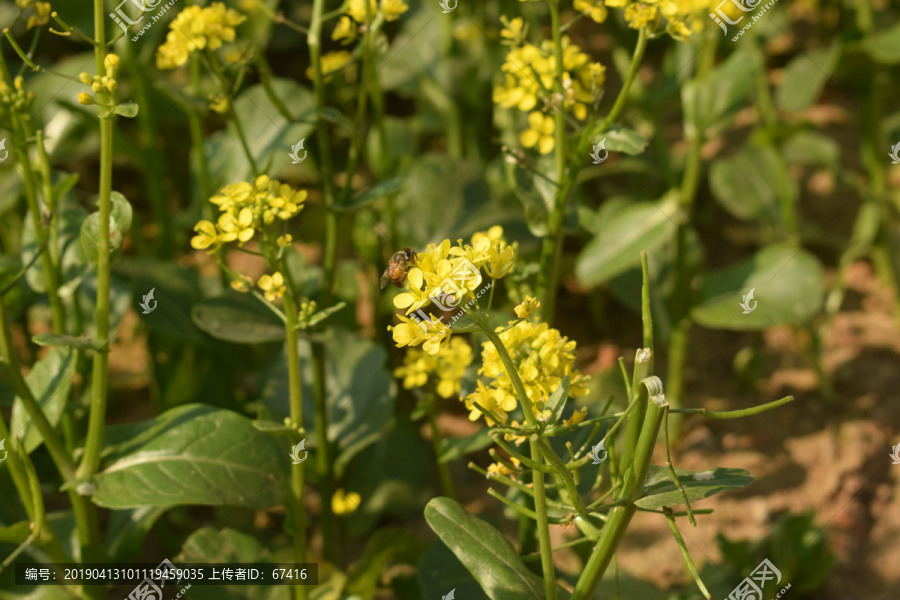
(85, 98)
(97, 87)
(112, 85)
(86, 79)
(111, 62)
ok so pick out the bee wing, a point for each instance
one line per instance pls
(385, 277)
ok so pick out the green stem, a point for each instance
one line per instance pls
(735, 414)
(540, 495)
(296, 402)
(323, 456)
(673, 527)
(329, 260)
(681, 301)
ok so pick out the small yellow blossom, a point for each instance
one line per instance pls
(345, 30)
(206, 236)
(527, 307)
(539, 133)
(219, 104)
(85, 98)
(542, 357)
(640, 14)
(284, 240)
(595, 9)
(41, 14)
(111, 62)
(577, 417)
(392, 9)
(448, 366)
(513, 31)
(272, 285)
(357, 10)
(344, 503)
(334, 62)
(197, 28)
(85, 78)
(512, 437)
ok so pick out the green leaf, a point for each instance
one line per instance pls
(359, 402)
(787, 283)
(805, 76)
(487, 554)
(127, 109)
(557, 401)
(15, 534)
(884, 46)
(191, 454)
(213, 545)
(71, 217)
(388, 544)
(273, 428)
(238, 318)
(453, 448)
(660, 490)
(627, 141)
(321, 315)
(622, 236)
(49, 382)
(439, 571)
(709, 103)
(747, 184)
(812, 148)
(379, 190)
(127, 530)
(119, 224)
(69, 341)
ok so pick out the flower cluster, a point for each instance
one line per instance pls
(448, 366)
(197, 28)
(683, 17)
(105, 84)
(41, 14)
(358, 14)
(448, 279)
(247, 208)
(542, 357)
(16, 98)
(530, 72)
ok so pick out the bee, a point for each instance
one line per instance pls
(399, 265)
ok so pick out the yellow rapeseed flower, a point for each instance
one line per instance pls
(595, 9)
(542, 357)
(344, 503)
(527, 307)
(197, 28)
(272, 285)
(41, 14)
(448, 366)
(392, 9)
(539, 133)
(334, 62)
(345, 30)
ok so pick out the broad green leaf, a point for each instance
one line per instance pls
(49, 382)
(812, 148)
(786, 282)
(127, 530)
(617, 247)
(453, 448)
(385, 546)
(119, 224)
(191, 454)
(440, 571)
(379, 190)
(747, 184)
(270, 135)
(128, 109)
(336, 117)
(238, 318)
(626, 141)
(487, 554)
(176, 291)
(69, 341)
(884, 46)
(805, 76)
(709, 103)
(359, 402)
(660, 490)
(71, 217)
(212, 545)
(557, 401)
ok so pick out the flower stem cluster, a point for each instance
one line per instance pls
(448, 366)
(197, 28)
(105, 84)
(16, 98)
